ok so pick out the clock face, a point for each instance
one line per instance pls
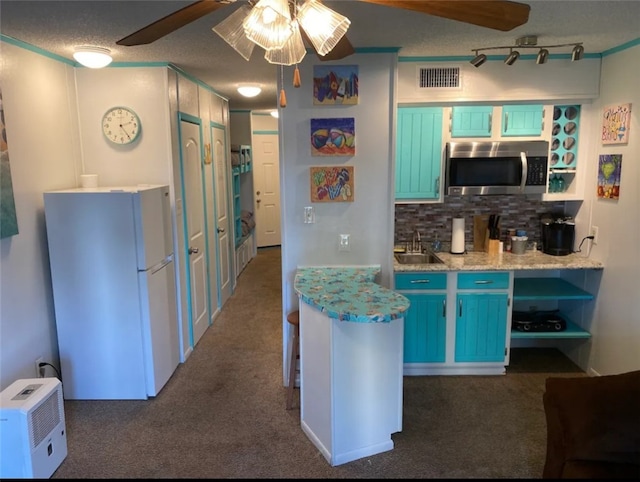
(121, 125)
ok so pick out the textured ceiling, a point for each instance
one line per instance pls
(59, 26)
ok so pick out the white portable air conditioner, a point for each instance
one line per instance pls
(33, 438)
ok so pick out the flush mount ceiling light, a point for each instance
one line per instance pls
(249, 90)
(527, 42)
(274, 113)
(92, 57)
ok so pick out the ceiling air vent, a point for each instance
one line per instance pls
(439, 77)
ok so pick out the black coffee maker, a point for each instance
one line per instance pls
(558, 234)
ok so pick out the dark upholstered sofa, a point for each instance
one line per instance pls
(593, 427)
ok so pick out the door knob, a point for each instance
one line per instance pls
(258, 193)
(220, 230)
(194, 250)
(258, 201)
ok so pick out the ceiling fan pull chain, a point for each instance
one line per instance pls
(283, 96)
(296, 77)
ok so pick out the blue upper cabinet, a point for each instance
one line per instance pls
(522, 120)
(471, 121)
(418, 153)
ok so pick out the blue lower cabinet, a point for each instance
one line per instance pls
(481, 327)
(425, 328)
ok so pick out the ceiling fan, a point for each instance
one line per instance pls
(497, 15)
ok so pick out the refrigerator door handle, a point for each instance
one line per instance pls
(159, 266)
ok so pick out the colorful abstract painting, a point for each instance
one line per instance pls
(335, 84)
(8, 219)
(609, 172)
(615, 124)
(331, 184)
(333, 137)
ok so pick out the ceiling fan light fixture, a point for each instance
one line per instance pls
(249, 90)
(542, 56)
(231, 30)
(269, 24)
(92, 57)
(323, 26)
(292, 52)
(478, 60)
(577, 53)
(512, 57)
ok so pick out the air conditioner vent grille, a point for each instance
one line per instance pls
(438, 77)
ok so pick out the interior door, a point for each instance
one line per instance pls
(222, 212)
(192, 175)
(266, 182)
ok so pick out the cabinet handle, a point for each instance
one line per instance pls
(506, 121)
(417, 281)
(444, 308)
(490, 120)
(438, 185)
(460, 308)
(483, 282)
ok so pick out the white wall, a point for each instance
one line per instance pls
(369, 219)
(616, 329)
(39, 102)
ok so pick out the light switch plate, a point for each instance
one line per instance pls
(309, 215)
(345, 242)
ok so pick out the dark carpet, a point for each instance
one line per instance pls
(222, 414)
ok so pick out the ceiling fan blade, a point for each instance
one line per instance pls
(172, 22)
(497, 15)
(342, 49)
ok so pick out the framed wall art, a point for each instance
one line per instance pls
(8, 219)
(335, 84)
(616, 120)
(331, 183)
(333, 137)
(609, 173)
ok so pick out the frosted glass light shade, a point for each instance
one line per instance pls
(292, 52)
(232, 31)
(324, 27)
(249, 90)
(269, 24)
(92, 57)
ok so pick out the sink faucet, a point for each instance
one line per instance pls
(416, 247)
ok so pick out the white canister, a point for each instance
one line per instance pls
(88, 180)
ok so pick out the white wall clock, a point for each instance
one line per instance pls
(121, 125)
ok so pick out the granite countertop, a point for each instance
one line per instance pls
(349, 294)
(481, 261)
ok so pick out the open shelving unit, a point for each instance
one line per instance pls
(532, 289)
(241, 164)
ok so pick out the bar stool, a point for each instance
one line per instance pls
(294, 319)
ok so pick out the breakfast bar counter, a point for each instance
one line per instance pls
(351, 361)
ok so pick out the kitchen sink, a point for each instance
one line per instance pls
(417, 258)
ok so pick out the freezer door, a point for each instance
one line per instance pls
(159, 325)
(154, 238)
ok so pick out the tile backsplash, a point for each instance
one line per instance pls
(516, 212)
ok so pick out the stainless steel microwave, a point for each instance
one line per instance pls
(507, 167)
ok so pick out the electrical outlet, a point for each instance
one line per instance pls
(594, 233)
(39, 371)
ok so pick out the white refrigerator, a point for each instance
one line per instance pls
(113, 279)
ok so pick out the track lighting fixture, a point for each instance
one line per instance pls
(478, 60)
(577, 53)
(512, 57)
(527, 42)
(543, 54)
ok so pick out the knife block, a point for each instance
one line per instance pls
(492, 246)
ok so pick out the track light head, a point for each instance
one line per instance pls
(478, 60)
(512, 57)
(542, 57)
(577, 53)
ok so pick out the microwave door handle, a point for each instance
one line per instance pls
(523, 183)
